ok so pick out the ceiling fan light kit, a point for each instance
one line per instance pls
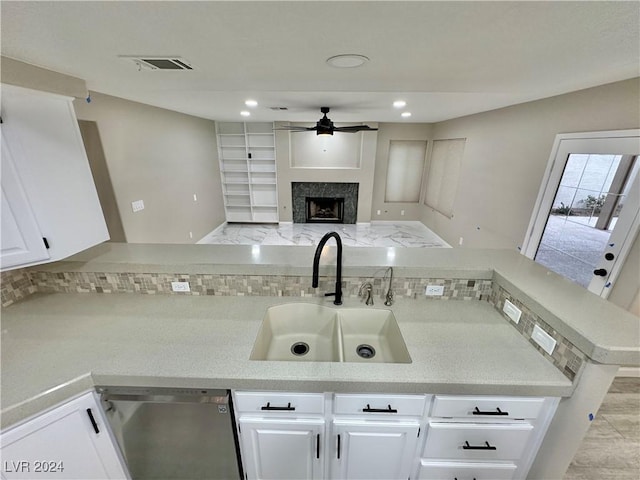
(325, 126)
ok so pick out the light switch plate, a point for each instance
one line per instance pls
(180, 286)
(542, 338)
(512, 311)
(434, 290)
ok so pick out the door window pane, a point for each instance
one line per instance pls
(584, 212)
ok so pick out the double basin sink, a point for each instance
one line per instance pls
(316, 333)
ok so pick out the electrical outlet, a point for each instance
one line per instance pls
(512, 311)
(137, 206)
(180, 286)
(434, 290)
(378, 212)
(195, 197)
(542, 338)
(402, 212)
(461, 241)
(190, 234)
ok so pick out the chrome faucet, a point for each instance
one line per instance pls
(389, 296)
(366, 288)
(316, 262)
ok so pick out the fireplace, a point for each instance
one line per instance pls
(335, 202)
(324, 210)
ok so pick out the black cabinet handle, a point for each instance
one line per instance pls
(486, 446)
(380, 410)
(338, 447)
(93, 421)
(269, 407)
(601, 272)
(456, 478)
(318, 446)
(477, 411)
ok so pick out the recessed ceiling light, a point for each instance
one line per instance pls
(348, 60)
(245, 113)
(399, 103)
(406, 114)
(251, 103)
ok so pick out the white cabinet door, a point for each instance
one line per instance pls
(70, 442)
(22, 241)
(374, 450)
(281, 449)
(43, 136)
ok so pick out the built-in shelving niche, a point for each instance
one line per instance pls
(247, 155)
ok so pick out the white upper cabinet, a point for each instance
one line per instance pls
(48, 190)
(22, 242)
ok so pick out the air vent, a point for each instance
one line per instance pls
(155, 63)
(278, 109)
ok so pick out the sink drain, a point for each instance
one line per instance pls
(300, 348)
(365, 351)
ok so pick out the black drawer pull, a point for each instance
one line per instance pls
(269, 407)
(318, 445)
(456, 478)
(338, 447)
(380, 410)
(497, 412)
(486, 446)
(93, 421)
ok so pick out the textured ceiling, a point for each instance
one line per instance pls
(446, 59)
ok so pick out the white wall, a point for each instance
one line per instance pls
(505, 157)
(163, 158)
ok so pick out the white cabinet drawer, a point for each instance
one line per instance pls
(491, 408)
(465, 471)
(359, 404)
(279, 403)
(472, 441)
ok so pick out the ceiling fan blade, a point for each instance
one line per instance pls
(355, 128)
(296, 128)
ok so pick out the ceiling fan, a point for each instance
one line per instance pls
(325, 126)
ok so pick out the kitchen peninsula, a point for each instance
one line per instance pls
(102, 318)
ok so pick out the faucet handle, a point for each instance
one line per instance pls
(366, 292)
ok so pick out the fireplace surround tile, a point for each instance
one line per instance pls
(301, 190)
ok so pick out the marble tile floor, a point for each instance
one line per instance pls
(374, 234)
(611, 449)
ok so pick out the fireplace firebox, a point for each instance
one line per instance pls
(324, 210)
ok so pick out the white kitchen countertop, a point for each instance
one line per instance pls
(57, 345)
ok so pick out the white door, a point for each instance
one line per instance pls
(281, 449)
(587, 213)
(373, 450)
(70, 442)
(21, 241)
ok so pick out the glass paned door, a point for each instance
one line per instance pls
(587, 214)
(584, 213)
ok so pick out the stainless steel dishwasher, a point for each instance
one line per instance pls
(174, 433)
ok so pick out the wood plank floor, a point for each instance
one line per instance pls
(611, 449)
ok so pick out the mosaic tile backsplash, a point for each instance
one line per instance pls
(16, 285)
(566, 357)
(261, 285)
